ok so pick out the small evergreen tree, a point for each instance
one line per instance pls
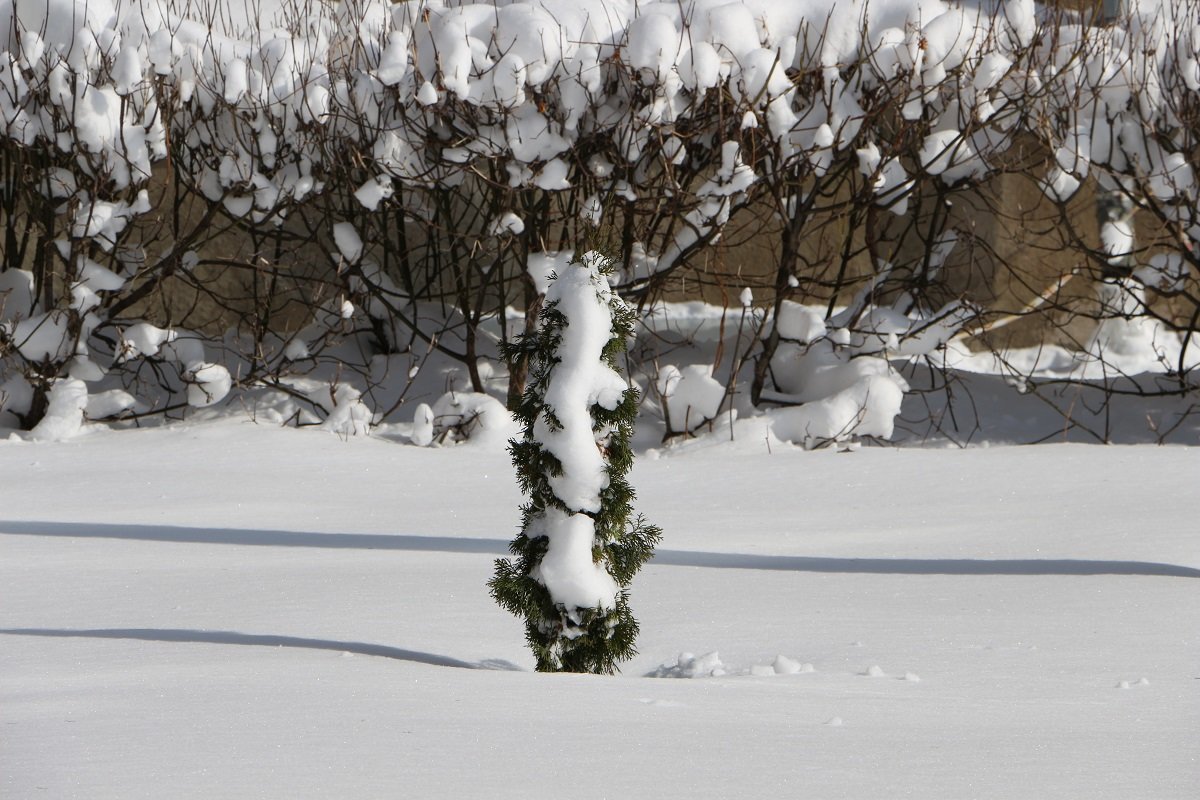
(578, 548)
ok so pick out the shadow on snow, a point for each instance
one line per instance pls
(258, 640)
(667, 558)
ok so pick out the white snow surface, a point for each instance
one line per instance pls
(232, 610)
(223, 609)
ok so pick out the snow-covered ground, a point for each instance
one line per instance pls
(234, 610)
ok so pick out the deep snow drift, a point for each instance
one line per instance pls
(231, 610)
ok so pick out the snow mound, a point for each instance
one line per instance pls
(688, 665)
(64, 414)
(866, 408)
(691, 395)
(207, 384)
(350, 416)
(422, 426)
(472, 417)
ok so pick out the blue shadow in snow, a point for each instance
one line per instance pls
(662, 558)
(255, 538)
(926, 566)
(258, 640)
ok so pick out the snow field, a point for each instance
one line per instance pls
(285, 613)
(230, 610)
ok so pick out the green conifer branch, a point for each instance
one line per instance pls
(574, 639)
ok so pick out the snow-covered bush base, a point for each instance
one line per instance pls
(839, 395)
(1128, 341)
(691, 394)
(350, 416)
(1149, 356)
(468, 416)
(868, 407)
(843, 372)
(68, 399)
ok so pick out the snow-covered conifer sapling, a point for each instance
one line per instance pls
(579, 547)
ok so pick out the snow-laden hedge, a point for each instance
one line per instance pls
(442, 153)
